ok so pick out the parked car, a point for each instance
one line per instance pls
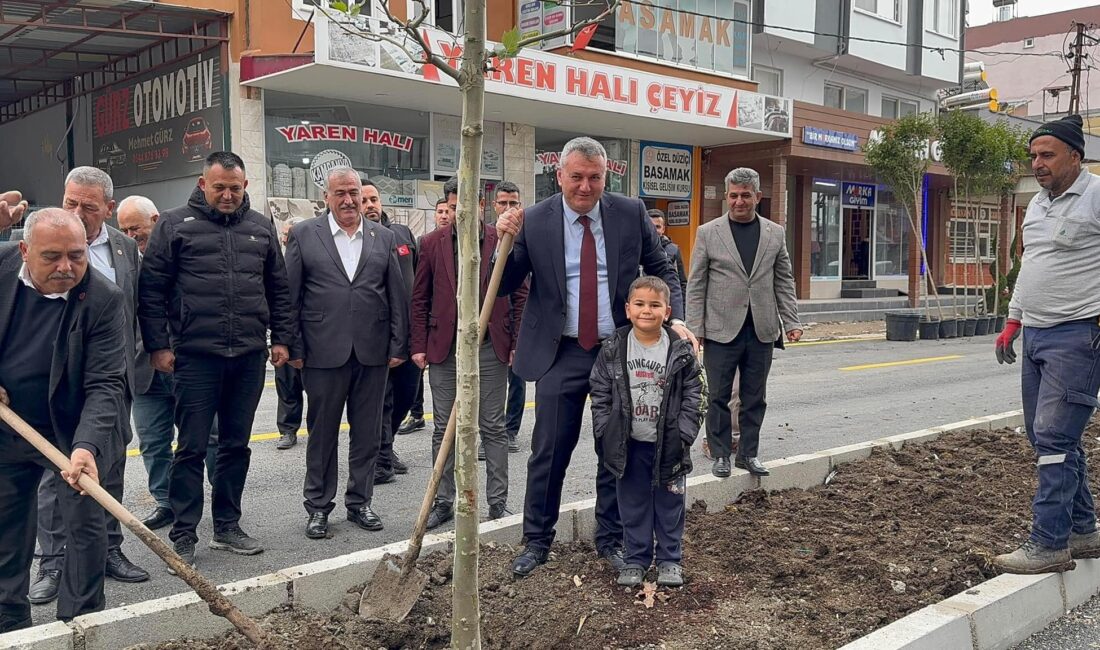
(110, 155)
(197, 140)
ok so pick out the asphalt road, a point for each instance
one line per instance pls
(820, 396)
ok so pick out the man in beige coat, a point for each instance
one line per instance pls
(741, 301)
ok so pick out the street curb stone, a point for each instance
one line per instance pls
(322, 585)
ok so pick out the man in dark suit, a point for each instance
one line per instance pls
(582, 249)
(89, 194)
(434, 338)
(347, 289)
(64, 372)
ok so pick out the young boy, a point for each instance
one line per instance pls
(648, 397)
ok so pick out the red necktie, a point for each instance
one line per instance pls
(588, 317)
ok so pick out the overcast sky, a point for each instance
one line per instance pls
(981, 11)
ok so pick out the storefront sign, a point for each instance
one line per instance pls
(858, 194)
(160, 125)
(677, 33)
(666, 171)
(537, 17)
(447, 145)
(555, 79)
(930, 150)
(325, 162)
(831, 139)
(549, 161)
(710, 192)
(344, 133)
(678, 213)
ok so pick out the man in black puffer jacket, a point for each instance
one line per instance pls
(212, 284)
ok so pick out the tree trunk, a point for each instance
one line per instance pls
(950, 246)
(466, 608)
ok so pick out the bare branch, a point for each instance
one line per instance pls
(611, 6)
(411, 28)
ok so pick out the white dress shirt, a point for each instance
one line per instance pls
(26, 278)
(574, 235)
(350, 247)
(99, 254)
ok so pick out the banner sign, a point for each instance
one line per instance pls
(159, 125)
(858, 194)
(343, 133)
(831, 139)
(666, 171)
(555, 79)
(678, 213)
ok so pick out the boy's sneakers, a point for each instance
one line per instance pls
(670, 574)
(236, 541)
(631, 575)
(185, 548)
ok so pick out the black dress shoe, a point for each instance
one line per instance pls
(382, 477)
(119, 567)
(614, 556)
(317, 527)
(411, 424)
(44, 588)
(753, 465)
(287, 440)
(365, 518)
(159, 518)
(398, 466)
(441, 513)
(528, 560)
(721, 467)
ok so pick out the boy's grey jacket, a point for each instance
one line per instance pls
(683, 405)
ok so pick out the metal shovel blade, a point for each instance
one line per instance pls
(391, 593)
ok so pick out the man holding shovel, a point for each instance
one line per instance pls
(63, 370)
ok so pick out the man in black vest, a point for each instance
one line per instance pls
(64, 372)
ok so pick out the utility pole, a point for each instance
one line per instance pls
(1077, 57)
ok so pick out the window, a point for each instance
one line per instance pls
(366, 8)
(1029, 43)
(893, 108)
(891, 236)
(846, 98)
(825, 244)
(968, 238)
(945, 17)
(888, 9)
(444, 14)
(769, 80)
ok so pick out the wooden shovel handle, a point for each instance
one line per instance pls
(206, 590)
(504, 248)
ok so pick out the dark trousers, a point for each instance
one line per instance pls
(362, 389)
(517, 401)
(1061, 376)
(84, 521)
(559, 409)
(649, 511)
(288, 387)
(750, 357)
(417, 408)
(401, 389)
(208, 386)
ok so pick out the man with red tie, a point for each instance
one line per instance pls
(582, 249)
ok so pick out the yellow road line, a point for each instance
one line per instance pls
(834, 341)
(260, 437)
(907, 362)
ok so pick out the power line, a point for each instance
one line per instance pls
(941, 50)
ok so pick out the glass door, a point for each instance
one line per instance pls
(825, 230)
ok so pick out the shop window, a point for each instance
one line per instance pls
(891, 252)
(366, 7)
(710, 35)
(888, 9)
(945, 17)
(970, 239)
(548, 146)
(825, 243)
(893, 108)
(769, 80)
(846, 98)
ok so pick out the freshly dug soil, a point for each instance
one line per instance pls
(808, 569)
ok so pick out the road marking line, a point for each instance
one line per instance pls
(834, 341)
(260, 437)
(907, 362)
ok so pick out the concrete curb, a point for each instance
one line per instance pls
(995, 614)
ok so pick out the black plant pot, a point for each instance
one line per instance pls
(969, 325)
(992, 324)
(981, 326)
(949, 328)
(1000, 324)
(901, 326)
(929, 330)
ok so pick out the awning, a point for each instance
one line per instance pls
(51, 51)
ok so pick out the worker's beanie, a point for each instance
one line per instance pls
(1067, 129)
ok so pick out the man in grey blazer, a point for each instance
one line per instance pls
(347, 289)
(89, 194)
(741, 302)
